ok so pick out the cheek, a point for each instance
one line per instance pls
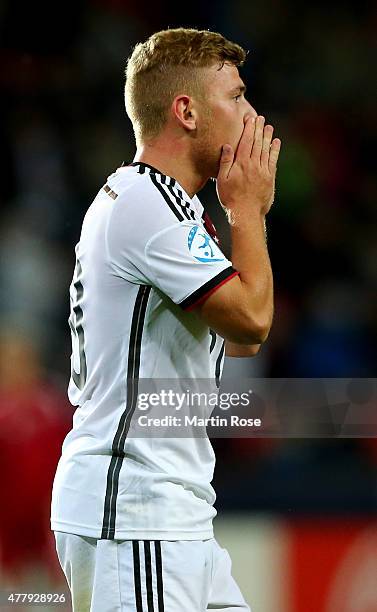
(240, 130)
(235, 122)
(236, 131)
(226, 125)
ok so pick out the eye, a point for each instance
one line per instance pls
(237, 97)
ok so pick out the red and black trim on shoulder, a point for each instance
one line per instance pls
(201, 294)
(209, 226)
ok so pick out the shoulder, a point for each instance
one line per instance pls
(145, 196)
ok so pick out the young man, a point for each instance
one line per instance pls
(153, 297)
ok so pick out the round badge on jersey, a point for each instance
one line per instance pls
(202, 247)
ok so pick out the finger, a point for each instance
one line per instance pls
(258, 139)
(266, 144)
(274, 154)
(246, 141)
(226, 161)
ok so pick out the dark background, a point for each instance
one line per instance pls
(63, 128)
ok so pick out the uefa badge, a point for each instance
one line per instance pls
(202, 247)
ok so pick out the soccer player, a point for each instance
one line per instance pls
(154, 297)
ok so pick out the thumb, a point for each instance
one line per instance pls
(226, 160)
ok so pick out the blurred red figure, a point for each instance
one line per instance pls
(34, 418)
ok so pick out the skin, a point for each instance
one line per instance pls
(191, 144)
(189, 147)
(245, 186)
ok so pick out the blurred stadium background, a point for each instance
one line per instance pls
(298, 516)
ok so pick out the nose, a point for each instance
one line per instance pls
(251, 110)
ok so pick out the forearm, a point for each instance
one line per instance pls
(250, 257)
(241, 311)
(241, 350)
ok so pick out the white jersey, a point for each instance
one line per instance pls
(144, 260)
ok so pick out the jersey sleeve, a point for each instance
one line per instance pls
(185, 263)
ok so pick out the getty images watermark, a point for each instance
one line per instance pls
(253, 407)
(191, 404)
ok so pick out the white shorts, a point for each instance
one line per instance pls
(148, 576)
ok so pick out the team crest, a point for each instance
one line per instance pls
(202, 247)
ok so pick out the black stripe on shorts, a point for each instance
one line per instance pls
(138, 580)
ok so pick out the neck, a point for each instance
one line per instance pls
(174, 161)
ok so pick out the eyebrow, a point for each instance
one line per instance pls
(240, 89)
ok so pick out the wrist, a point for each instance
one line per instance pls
(243, 218)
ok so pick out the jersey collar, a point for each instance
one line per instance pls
(195, 200)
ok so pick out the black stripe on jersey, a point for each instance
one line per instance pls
(76, 324)
(171, 184)
(176, 196)
(167, 199)
(143, 166)
(160, 585)
(148, 574)
(207, 287)
(137, 576)
(184, 206)
(213, 340)
(110, 192)
(218, 364)
(109, 512)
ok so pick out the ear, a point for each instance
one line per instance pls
(184, 112)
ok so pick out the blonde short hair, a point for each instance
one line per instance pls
(167, 64)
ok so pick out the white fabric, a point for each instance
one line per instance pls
(196, 576)
(136, 256)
